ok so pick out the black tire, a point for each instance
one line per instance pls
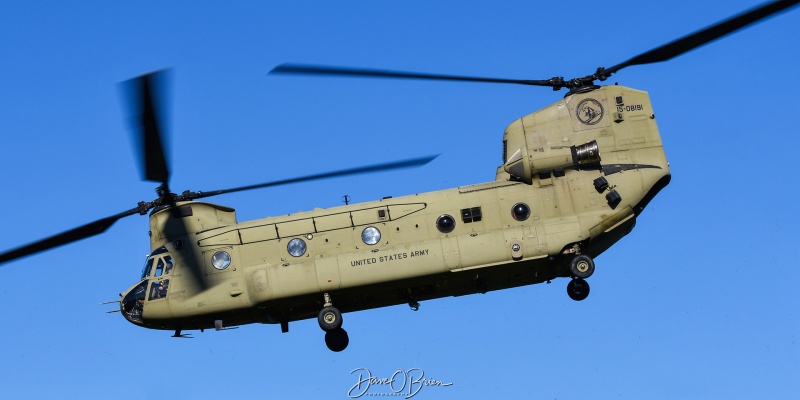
(581, 266)
(578, 289)
(337, 339)
(330, 318)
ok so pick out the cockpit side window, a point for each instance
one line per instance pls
(169, 264)
(159, 290)
(160, 267)
(148, 266)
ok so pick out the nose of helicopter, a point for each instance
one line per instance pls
(132, 304)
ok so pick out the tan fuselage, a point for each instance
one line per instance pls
(487, 249)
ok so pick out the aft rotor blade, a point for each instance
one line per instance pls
(697, 39)
(148, 129)
(73, 235)
(414, 162)
(300, 69)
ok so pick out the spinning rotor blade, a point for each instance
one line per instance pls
(342, 71)
(662, 53)
(414, 162)
(155, 168)
(73, 235)
(100, 226)
(707, 35)
(144, 90)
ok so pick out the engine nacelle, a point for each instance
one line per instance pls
(524, 165)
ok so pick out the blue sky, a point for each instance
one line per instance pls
(697, 303)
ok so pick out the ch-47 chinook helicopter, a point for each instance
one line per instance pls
(575, 177)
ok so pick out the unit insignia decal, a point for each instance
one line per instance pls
(589, 111)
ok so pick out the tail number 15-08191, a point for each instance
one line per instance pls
(632, 107)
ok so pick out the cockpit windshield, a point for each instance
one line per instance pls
(162, 261)
(132, 305)
(148, 267)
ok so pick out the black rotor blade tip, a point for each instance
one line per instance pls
(72, 235)
(706, 35)
(146, 95)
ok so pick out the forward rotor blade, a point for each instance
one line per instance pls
(73, 235)
(300, 69)
(414, 162)
(707, 35)
(148, 128)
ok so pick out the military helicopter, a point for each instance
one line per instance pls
(574, 178)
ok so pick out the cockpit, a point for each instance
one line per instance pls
(162, 261)
(154, 285)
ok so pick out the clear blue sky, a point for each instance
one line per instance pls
(698, 302)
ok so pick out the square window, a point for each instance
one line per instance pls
(466, 215)
(471, 214)
(476, 214)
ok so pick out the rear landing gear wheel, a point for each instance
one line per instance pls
(581, 266)
(330, 318)
(578, 289)
(337, 339)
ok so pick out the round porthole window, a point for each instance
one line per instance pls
(371, 235)
(296, 247)
(520, 211)
(445, 223)
(221, 260)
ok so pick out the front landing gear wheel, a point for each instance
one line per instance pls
(581, 266)
(330, 319)
(337, 339)
(578, 289)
